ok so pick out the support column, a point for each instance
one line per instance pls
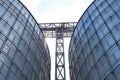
(60, 60)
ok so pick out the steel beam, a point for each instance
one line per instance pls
(49, 29)
(59, 58)
(58, 31)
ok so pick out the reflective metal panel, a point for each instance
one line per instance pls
(24, 54)
(94, 52)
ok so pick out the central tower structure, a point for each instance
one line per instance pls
(58, 31)
(59, 57)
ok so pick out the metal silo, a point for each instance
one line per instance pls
(24, 54)
(94, 52)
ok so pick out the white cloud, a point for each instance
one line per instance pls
(31, 4)
(66, 14)
(69, 13)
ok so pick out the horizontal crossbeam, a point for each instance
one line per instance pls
(49, 29)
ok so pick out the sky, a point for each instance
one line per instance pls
(56, 10)
(49, 11)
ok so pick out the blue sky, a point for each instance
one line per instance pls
(48, 5)
(48, 11)
(56, 10)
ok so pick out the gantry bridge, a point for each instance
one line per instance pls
(58, 31)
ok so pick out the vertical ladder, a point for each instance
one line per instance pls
(60, 60)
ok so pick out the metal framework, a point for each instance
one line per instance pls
(59, 58)
(49, 29)
(58, 31)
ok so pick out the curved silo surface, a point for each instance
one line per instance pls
(24, 54)
(94, 52)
